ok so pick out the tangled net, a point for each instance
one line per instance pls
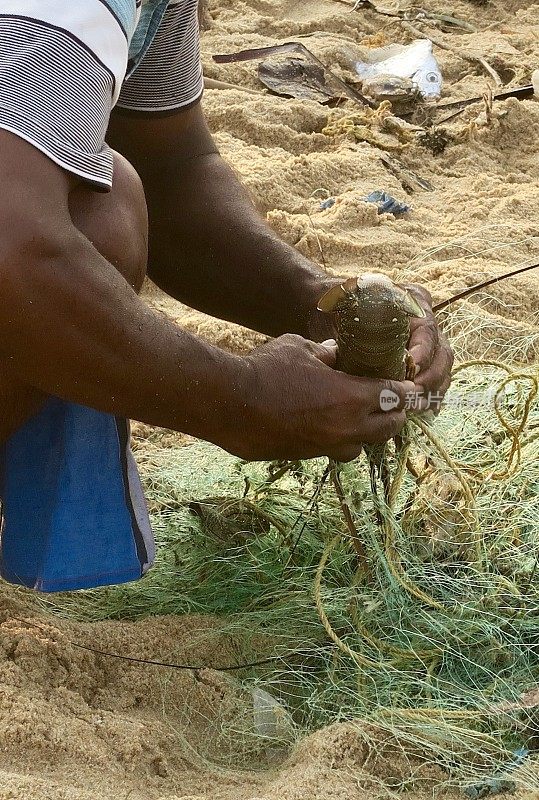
(432, 636)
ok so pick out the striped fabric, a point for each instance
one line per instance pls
(63, 67)
(170, 74)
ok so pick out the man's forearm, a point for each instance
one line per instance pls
(71, 326)
(209, 247)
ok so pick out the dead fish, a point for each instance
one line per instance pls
(415, 61)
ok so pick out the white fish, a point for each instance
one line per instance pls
(415, 61)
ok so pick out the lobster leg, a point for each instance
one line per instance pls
(377, 455)
(378, 467)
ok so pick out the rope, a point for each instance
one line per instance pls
(359, 658)
(386, 513)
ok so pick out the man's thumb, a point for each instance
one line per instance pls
(326, 352)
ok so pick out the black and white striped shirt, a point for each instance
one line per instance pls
(63, 67)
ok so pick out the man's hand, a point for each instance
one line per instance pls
(431, 353)
(298, 406)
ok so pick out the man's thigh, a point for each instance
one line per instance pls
(116, 223)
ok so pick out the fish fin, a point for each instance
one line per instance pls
(422, 47)
(377, 54)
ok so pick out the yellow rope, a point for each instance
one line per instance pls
(441, 450)
(359, 658)
(514, 430)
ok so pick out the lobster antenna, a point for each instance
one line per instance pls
(476, 287)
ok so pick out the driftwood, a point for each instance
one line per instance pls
(520, 92)
(409, 180)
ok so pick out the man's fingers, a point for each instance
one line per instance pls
(392, 395)
(438, 376)
(432, 401)
(385, 426)
(424, 342)
(325, 352)
(387, 414)
(346, 453)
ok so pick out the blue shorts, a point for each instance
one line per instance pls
(73, 509)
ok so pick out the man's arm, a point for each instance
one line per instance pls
(209, 247)
(71, 326)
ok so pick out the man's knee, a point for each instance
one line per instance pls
(116, 222)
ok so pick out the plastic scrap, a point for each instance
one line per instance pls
(386, 203)
(490, 787)
(328, 203)
(497, 785)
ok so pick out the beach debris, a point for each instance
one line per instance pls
(402, 93)
(393, 10)
(488, 103)
(293, 77)
(272, 721)
(378, 127)
(273, 724)
(435, 140)
(535, 83)
(442, 20)
(294, 47)
(415, 61)
(386, 203)
(489, 787)
(497, 784)
(409, 179)
(464, 54)
(519, 92)
(329, 202)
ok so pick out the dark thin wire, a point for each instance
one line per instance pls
(482, 285)
(311, 504)
(190, 667)
(176, 666)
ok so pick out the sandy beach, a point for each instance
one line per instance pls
(76, 726)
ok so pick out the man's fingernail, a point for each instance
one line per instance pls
(330, 343)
